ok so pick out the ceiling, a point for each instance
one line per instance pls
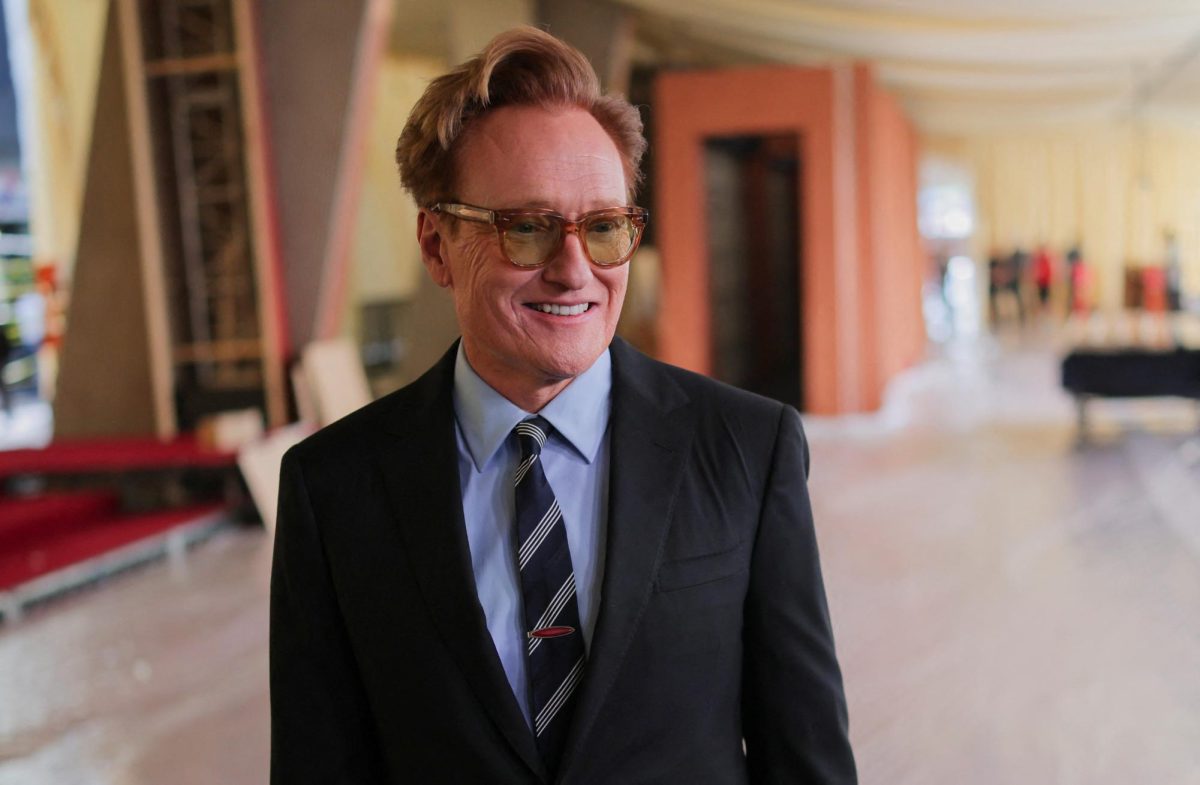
(960, 65)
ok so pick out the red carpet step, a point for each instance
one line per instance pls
(26, 521)
(56, 541)
(95, 456)
(42, 557)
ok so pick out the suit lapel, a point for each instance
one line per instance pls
(650, 433)
(420, 466)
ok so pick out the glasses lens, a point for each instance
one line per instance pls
(530, 239)
(610, 238)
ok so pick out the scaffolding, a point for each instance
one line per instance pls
(192, 71)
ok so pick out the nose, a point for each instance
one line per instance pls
(569, 266)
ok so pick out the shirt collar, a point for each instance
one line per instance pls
(579, 413)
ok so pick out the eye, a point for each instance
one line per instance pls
(530, 226)
(606, 226)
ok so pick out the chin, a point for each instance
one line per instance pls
(566, 364)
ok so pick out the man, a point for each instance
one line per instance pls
(550, 559)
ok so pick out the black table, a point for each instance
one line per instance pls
(1130, 373)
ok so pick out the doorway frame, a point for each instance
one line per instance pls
(818, 107)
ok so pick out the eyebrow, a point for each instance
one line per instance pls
(542, 204)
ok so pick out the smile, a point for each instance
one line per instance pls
(560, 310)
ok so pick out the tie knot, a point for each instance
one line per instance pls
(532, 435)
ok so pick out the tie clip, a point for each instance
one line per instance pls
(551, 632)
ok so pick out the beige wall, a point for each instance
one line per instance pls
(472, 23)
(385, 259)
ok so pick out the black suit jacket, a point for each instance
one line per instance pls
(712, 628)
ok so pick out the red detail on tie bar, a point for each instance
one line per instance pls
(551, 632)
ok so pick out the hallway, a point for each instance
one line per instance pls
(1009, 607)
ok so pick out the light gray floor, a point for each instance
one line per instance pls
(1009, 607)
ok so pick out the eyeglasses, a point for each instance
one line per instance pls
(530, 237)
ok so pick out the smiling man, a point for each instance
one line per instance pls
(551, 558)
(531, 326)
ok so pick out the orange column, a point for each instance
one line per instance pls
(692, 107)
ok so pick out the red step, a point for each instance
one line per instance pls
(99, 456)
(91, 539)
(26, 520)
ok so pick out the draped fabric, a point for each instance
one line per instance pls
(62, 43)
(1115, 190)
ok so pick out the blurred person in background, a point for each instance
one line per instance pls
(1079, 276)
(551, 558)
(1043, 275)
(5, 351)
(1173, 271)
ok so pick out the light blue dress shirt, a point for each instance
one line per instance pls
(575, 460)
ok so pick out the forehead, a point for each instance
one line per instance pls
(561, 158)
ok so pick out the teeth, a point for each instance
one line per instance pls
(561, 310)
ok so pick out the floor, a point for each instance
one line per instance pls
(1010, 606)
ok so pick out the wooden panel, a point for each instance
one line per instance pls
(272, 301)
(307, 106)
(145, 191)
(105, 385)
(372, 40)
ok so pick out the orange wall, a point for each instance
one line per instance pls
(858, 198)
(868, 162)
(899, 258)
(693, 106)
(891, 257)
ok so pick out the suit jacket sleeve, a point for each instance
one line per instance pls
(794, 710)
(320, 721)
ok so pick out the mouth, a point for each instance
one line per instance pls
(554, 309)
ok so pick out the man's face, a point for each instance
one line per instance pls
(516, 157)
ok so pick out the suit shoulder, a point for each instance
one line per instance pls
(726, 395)
(349, 440)
(341, 441)
(707, 392)
(722, 411)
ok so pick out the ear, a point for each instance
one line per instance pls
(433, 246)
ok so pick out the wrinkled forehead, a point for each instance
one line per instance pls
(560, 158)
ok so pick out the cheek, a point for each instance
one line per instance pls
(497, 290)
(616, 282)
(474, 273)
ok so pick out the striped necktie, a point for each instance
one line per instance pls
(554, 638)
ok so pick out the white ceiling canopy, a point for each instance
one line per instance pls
(961, 65)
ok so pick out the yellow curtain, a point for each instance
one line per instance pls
(1116, 191)
(66, 39)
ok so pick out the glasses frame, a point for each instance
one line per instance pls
(503, 220)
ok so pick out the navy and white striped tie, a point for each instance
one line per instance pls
(554, 639)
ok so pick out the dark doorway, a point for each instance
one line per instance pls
(753, 187)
